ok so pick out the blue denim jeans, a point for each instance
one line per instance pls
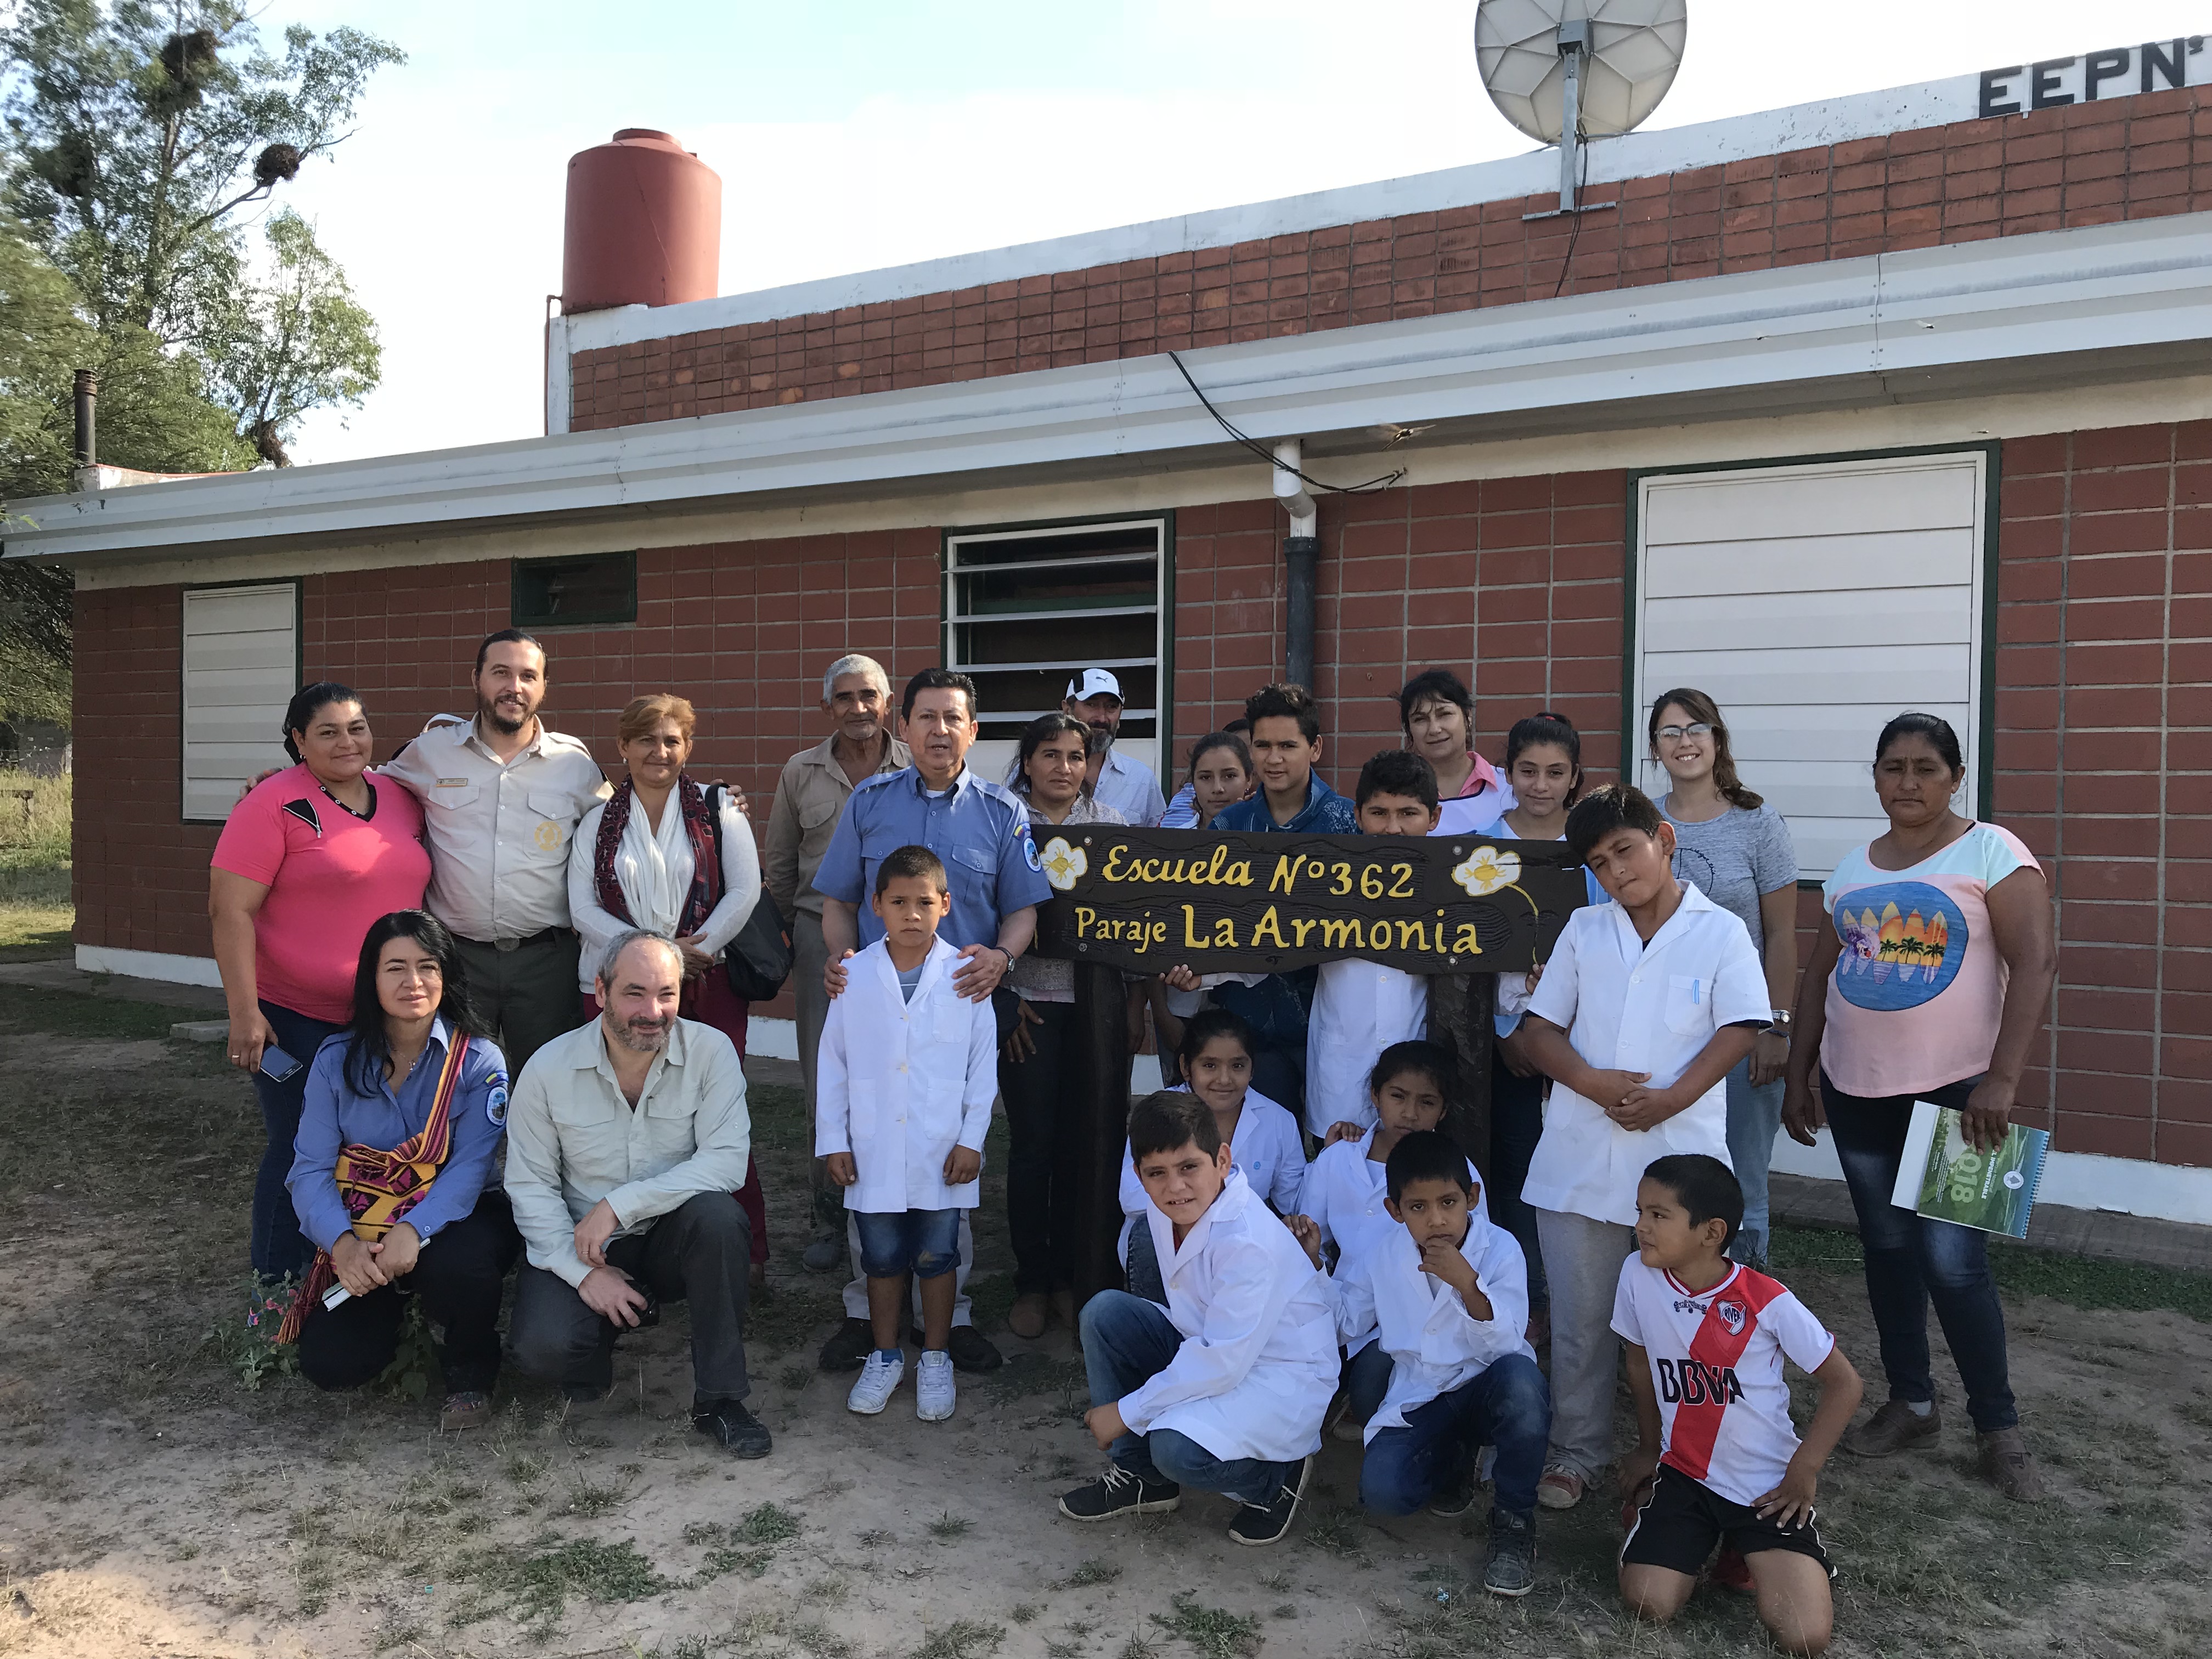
(1144, 1263)
(1754, 1117)
(1517, 1124)
(1127, 1341)
(1366, 1379)
(1508, 1406)
(923, 1243)
(1911, 1261)
(278, 1248)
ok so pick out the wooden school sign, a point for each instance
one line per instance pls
(1146, 900)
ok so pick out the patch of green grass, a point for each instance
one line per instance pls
(1093, 1571)
(875, 1538)
(591, 1499)
(948, 1527)
(818, 1641)
(1024, 1612)
(779, 1117)
(37, 914)
(1337, 1531)
(41, 846)
(523, 1468)
(769, 1523)
(2079, 1281)
(536, 1583)
(963, 1638)
(1136, 1648)
(1214, 1632)
(93, 1018)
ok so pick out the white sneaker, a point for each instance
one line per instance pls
(933, 1389)
(878, 1380)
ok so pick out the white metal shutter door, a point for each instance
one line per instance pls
(1813, 603)
(242, 656)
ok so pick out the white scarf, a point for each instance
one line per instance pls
(655, 866)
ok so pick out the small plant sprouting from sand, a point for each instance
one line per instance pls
(948, 1528)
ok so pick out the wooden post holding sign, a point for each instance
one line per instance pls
(1462, 907)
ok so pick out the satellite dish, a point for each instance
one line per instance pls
(1565, 70)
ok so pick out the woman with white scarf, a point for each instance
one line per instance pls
(659, 854)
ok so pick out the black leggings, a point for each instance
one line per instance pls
(459, 1276)
(1039, 1160)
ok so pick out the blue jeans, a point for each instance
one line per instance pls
(1366, 1379)
(278, 1248)
(1144, 1263)
(1507, 1407)
(1517, 1124)
(1127, 1341)
(1754, 1117)
(1911, 1261)
(923, 1243)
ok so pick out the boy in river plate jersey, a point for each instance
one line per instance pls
(1720, 1461)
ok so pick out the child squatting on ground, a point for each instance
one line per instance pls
(1224, 1388)
(1646, 1005)
(1449, 1294)
(1718, 1461)
(906, 1073)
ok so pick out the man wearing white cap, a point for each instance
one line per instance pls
(1094, 696)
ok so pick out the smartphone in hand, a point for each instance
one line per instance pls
(278, 1065)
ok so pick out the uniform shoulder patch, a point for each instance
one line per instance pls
(496, 1100)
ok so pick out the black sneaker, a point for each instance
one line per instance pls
(1118, 1492)
(1454, 1499)
(741, 1433)
(1511, 1569)
(1261, 1524)
(971, 1350)
(849, 1348)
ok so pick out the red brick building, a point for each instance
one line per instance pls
(1902, 400)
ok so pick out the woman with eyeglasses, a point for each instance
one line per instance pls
(1737, 850)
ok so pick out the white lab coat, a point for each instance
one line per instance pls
(897, 1083)
(1266, 1147)
(1258, 1363)
(1359, 1009)
(1434, 1343)
(1637, 1007)
(1345, 1192)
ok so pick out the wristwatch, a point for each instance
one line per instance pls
(1780, 1022)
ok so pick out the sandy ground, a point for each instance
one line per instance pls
(152, 1505)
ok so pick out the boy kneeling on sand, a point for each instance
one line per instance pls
(1449, 1293)
(1224, 1388)
(1720, 1461)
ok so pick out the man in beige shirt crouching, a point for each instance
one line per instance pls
(625, 1141)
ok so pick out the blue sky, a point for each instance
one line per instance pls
(860, 134)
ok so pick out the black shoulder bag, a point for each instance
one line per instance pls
(758, 960)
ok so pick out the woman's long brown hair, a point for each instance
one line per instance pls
(1699, 707)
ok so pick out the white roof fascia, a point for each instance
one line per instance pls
(1644, 153)
(1991, 304)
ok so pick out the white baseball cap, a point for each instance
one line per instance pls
(1094, 683)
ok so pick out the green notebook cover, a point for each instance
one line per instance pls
(1941, 1177)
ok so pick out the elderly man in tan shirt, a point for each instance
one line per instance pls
(810, 797)
(625, 1141)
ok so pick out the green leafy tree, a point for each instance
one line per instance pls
(294, 342)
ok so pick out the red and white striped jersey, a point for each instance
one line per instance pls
(1717, 1366)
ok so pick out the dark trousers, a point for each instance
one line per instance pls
(279, 1249)
(1507, 1407)
(698, 1252)
(1912, 1260)
(1278, 1009)
(459, 1276)
(1366, 1379)
(1517, 1124)
(525, 997)
(1041, 1162)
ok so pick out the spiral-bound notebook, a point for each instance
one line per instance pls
(1943, 1177)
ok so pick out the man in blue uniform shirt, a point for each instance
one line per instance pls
(982, 832)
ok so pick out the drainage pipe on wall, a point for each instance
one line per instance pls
(1301, 563)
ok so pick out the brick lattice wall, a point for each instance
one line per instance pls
(2088, 164)
(2104, 766)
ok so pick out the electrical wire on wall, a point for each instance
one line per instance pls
(1268, 455)
(1582, 185)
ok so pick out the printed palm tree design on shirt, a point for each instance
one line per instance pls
(1903, 944)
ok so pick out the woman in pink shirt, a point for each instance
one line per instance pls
(1930, 985)
(310, 858)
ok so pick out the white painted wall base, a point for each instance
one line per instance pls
(771, 1039)
(2081, 1181)
(148, 965)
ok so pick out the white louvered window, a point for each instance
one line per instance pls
(242, 656)
(1024, 608)
(1813, 603)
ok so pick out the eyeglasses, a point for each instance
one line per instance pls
(1676, 733)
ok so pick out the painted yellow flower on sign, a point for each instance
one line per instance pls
(1486, 869)
(1062, 864)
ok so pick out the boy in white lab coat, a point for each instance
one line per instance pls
(906, 1072)
(1359, 1007)
(1644, 1006)
(1449, 1294)
(1225, 1388)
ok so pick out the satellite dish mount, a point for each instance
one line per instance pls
(1574, 58)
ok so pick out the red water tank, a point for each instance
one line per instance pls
(644, 225)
